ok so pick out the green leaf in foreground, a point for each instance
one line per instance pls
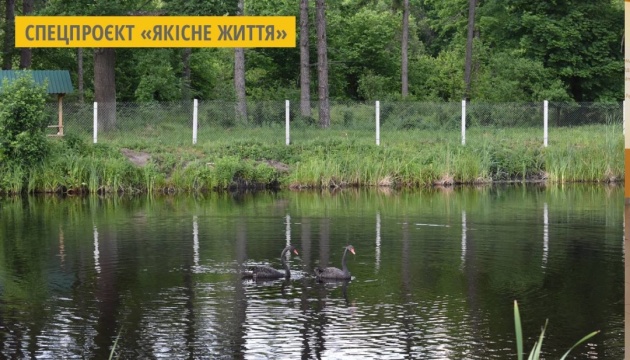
(111, 354)
(519, 331)
(579, 342)
(537, 349)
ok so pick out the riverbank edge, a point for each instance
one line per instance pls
(280, 183)
(77, 168)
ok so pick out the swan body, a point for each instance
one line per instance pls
(333, 272)
(267, 272)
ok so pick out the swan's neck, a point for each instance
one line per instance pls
(344, 267)
(283, 260)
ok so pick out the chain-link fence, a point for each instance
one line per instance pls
(184, 122)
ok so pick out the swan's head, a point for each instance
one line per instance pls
(293, 249)
(351, 249)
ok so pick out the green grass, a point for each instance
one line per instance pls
(318, 157)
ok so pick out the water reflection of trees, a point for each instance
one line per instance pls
(106, 293)
(213, 307)
(237, 324)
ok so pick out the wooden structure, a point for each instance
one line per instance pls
(58, 81)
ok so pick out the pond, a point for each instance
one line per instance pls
(435, 274)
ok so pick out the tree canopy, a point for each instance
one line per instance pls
(524, 50)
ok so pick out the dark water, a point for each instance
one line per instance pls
(434, 276)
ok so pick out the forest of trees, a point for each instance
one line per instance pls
(429, 50)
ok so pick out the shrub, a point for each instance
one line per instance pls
(75, 143)
(23, 121)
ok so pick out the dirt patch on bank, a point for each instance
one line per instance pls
(138, 158)
(279, 166)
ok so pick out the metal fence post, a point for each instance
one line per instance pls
(545, 121)
(378, 123)
(195, 112)
(464, 122)
(287, 117)
(95, 123)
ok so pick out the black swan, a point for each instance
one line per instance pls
(333, 272)
(267, 272)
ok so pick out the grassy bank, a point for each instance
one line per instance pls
(249, 157)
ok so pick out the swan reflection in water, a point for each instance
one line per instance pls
(332, 284)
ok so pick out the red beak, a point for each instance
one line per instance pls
(295, 251)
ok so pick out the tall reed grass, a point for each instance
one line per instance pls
(240, 156)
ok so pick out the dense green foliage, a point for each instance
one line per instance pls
(23, 122)
(523, 51)
(578, 41)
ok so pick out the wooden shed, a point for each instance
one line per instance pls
(59, 84)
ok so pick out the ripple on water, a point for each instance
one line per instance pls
(434, 289)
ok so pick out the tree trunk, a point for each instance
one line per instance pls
(472, 4)
(239, 84)
(305, 72)
(9, 36)
(105, 87)
(239, 76)
(186, 93)
(80, 72)
(322, 64)
(26, 54)
(405, 44)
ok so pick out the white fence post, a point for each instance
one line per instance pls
(287, 117)
(545, 122)
(378, 123)
(95, 123)
(464, 122)
(195, 112)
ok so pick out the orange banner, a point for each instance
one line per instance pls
(154, 31)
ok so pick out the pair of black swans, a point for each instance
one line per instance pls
(330, 273)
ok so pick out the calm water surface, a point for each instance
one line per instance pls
(434, 276)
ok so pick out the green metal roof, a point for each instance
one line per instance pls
(58, 80)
